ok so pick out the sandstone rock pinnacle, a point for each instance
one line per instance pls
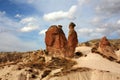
(106, 49)
(72, 40)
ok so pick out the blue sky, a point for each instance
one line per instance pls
(23, 22)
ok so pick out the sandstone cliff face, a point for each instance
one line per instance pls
(55, 41)
(106, 49)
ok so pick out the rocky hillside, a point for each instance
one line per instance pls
(39, 65)
(114, 42)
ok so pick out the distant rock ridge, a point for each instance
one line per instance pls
(106, 49)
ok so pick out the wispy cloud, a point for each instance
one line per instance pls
(7, 24)
(2, 13)
(105, 21)
(42, 32)
(107, 29)
(108, 7)
(18, 16)
(10, 42)
(30, 24)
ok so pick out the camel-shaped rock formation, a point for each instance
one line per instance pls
(56, 42)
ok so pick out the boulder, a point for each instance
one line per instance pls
(106, 49)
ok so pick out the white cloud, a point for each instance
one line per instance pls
(47, 6)
(18, 16)
(118, 22)
(29, 28)
(42, 32)
(30, 24)
(27, 20)
(54, 16)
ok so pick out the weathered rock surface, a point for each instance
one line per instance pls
(72, 40)
(63, 40)
(55, 40)
(106, 49)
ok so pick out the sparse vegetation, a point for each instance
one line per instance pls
(60, 63)
(46, 72)
(34, 62)
(33, 76)
(94, 43)
(78, 54)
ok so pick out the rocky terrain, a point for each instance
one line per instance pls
(91, 43)
(88, 63)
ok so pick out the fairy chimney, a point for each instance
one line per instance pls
(72, 40)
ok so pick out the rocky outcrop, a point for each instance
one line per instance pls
(55, 40)
(104, 42)
(72, 40)
(106, 48)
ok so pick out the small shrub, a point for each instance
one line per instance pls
(111, 58)
(47, 72)
(19, 68)
(30, 70)
(78, 54)
(33, 76)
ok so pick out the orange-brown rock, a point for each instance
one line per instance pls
(62, 37)
(55, 40)
(106, 48)
(72, 40)
(104, 42)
